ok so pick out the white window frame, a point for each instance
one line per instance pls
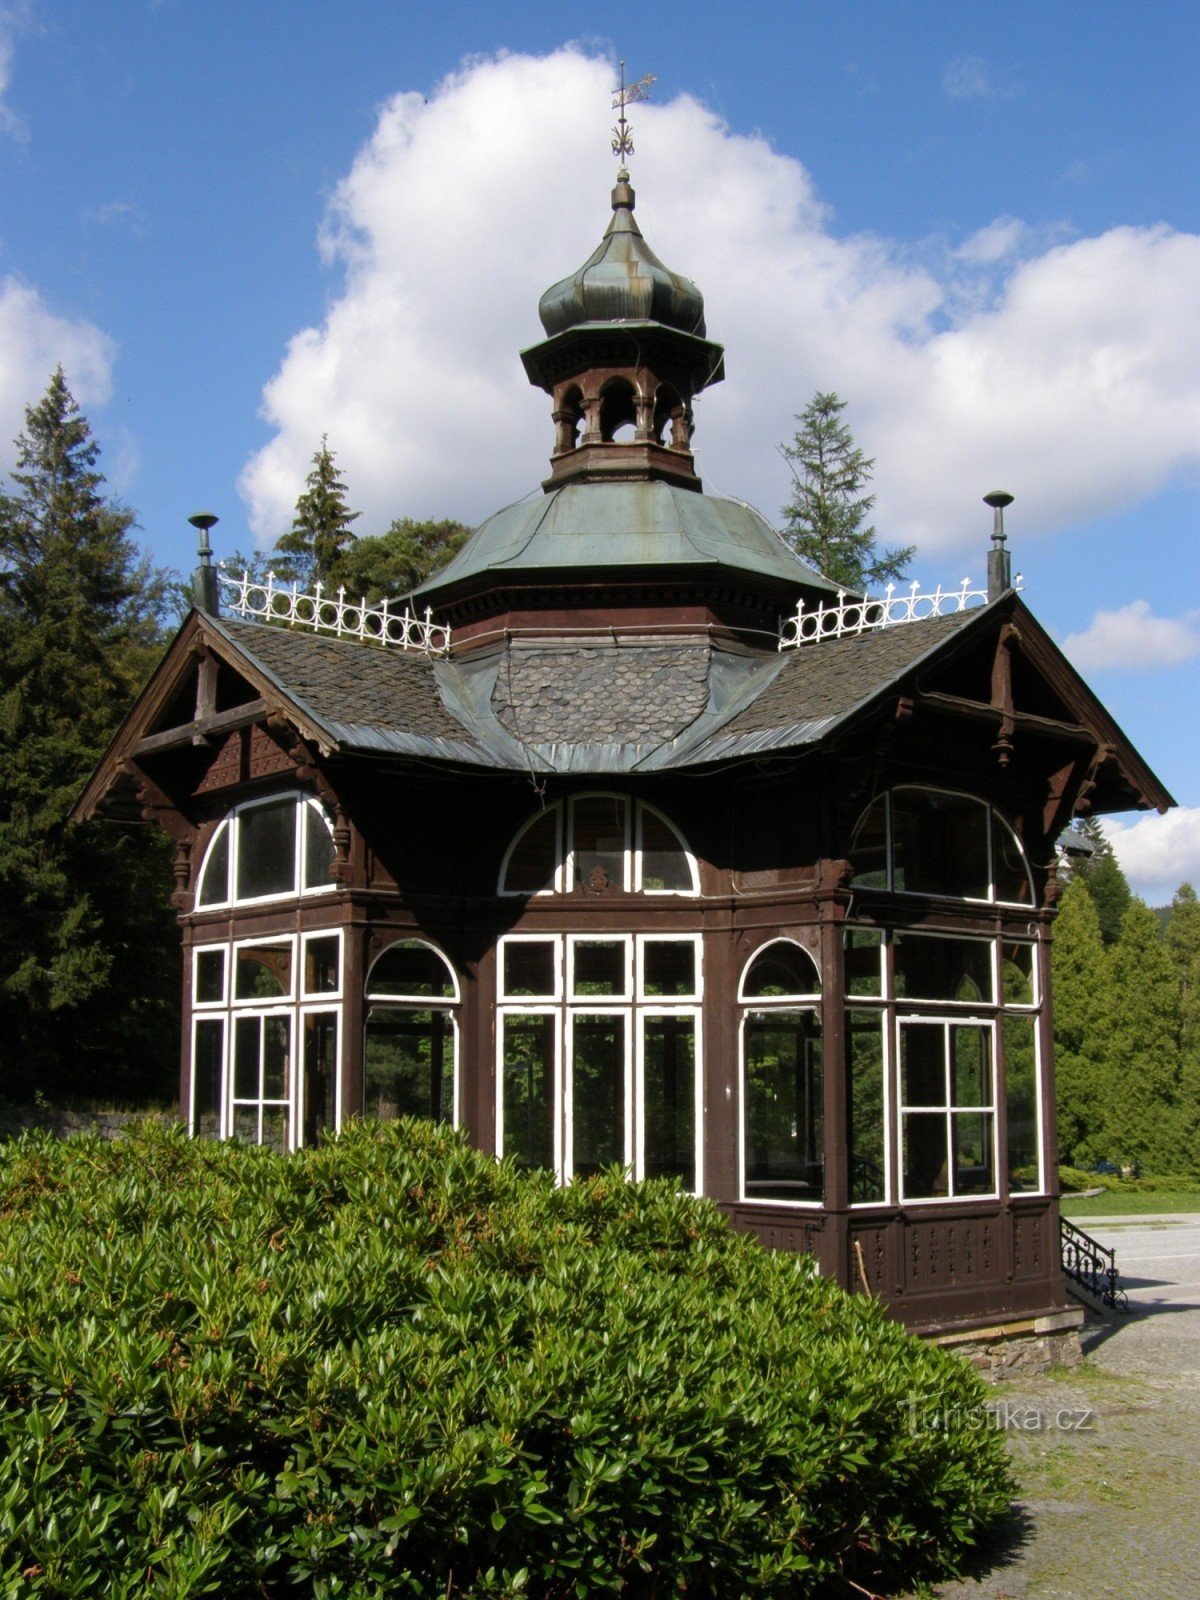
(696, 940)
(945, 1022)
(219, 1015)
(887, 1064)
(640, 808)
(559, 855)
(552, 939)
(423, 1002)
(267, 941)
(222, 950)
(807, 997)
(634, 810)
(812, 1006)
(260, 1013)
(912, 1000)
(992, 814)
(574, 940)
(661, 1008)
(308, 807)
(1030, 1015)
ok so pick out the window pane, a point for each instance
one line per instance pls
(206, 1078)
(320, 1031)
(262, 972)
(928, 967)
(1011, 874)
(664, 860)
(970, 1067)
(864, 1053)
(669, 1086)
(925, 1156)
(318, 849)
(783, 1106)
(534, 857)
(408, 1069)
(939, 844)
(210, 977)
(247, 1046)
(530, 967)
(781, 969)
(599, 841)
(411, 971)
(973, 1169)
(214, 884)
(1016, 974)
(600, 967)
(598, 1090)
(923, 1064)
(868, 849)
(277, 1038)
(668, 967)
(245, 1122)
(267, 850)
(1020, 1081)
(864, 950)
(321, 965)
(527, 1057)
(274, 1127)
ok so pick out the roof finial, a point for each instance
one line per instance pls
(626, 95)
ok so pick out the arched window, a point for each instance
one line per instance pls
(618, 411)
(915, 840)
(567, 417)
(782, 1077)
(410, 1059)
(268, 850)
(596, 843)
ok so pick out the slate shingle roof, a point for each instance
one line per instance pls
(602, 694)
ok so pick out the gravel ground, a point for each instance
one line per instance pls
(1108, 1456)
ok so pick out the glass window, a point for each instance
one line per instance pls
(208, 1061)
(869, 847)
(939, 844)
(600, 967)
(599, 825)
(1017, 967)
(529, 967)
(664, 862)
(263, 971)
(668, 967)
(947, 1124)
(781, 970)
(210, 978)
(864, 961)
(528, 1070)
(214, 880)
(1009, 868)
(533, 860)
(322, 964)
(319, 1030)
(865, 1076)
(266, 856)
(262, 1079)
(782, 1106)
(412, 970)
(318, 849)
(408, 1068)
(599, 1055)
(933, 967)
(669, 1098)
(1021, 1101)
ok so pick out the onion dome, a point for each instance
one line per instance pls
(623, 281)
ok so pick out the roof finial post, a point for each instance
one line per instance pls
(205, 588)
(999, 559)
(627, 94)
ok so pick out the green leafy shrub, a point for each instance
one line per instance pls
(391, 1366)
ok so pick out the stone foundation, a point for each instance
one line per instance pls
(1013, 1349)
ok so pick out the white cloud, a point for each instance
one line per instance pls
(33, 341)
(1132, 636)
(13, 18)
(1070, 377)
(968, 78)
(1158, 853)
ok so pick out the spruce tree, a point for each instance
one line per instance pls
(1139, 1085)
(320, 533)
(826, 518)
(394, 562)
(1101, 875)
(1079, 973)
(88, 968)
(1183, 946)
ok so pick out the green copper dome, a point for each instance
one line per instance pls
(623, 281)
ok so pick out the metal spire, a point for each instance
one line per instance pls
(627, 94)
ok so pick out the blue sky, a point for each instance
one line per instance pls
(241, 226)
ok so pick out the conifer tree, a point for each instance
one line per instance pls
(88, 970)
(320, 533)
(1139, 1084)
(1101, 875)
(394, 562)
(1183, 946)
(1079, 973)
(826, 518)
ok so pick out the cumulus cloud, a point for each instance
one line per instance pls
(1132, 636)
(13, 18)
(1156, 853)
(33, 341)
(1071, 376)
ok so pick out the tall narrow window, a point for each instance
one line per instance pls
(411, 1050)
(782, 1077)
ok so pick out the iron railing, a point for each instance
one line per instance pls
(267, 601)
(850, 615)
(1088, 1263)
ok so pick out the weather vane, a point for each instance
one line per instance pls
(627, 95)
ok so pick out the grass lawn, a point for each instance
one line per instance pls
(1130, 1203)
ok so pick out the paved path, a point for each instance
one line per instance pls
(1109, 1457)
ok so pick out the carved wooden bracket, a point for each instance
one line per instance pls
(181, 868)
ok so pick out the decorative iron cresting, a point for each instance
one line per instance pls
(264, 600)
(1087, 1263)
(849, 615)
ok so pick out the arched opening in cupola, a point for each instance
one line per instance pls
(670, 413)
(618, 412)
(568, 417)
